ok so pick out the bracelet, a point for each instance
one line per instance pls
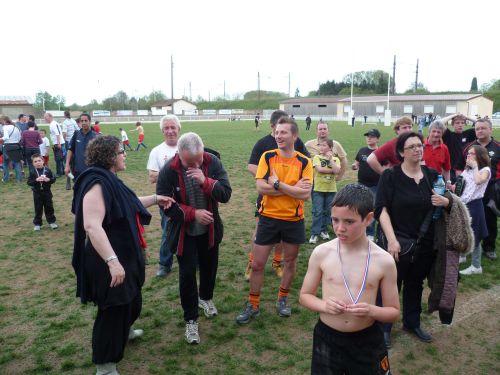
(156, 198)
(109, 259)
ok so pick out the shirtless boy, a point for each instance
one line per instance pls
(351, 269)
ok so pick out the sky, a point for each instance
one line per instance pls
(87, 49)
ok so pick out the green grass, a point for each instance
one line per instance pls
(44, 329)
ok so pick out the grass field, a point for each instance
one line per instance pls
(45, 329)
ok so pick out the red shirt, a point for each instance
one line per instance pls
(387, 152)
(437, 158)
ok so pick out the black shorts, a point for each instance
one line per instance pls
(257, 205)
(271, 231)
(360, 353)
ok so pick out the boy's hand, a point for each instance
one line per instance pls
(335, 306)
(359, 309)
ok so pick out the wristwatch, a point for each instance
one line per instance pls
(276, 185)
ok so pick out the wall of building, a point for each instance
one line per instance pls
(15, 110)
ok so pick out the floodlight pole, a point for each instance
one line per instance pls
(387, 114)
(172, 77)
(351, 112)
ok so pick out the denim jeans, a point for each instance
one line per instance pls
(15, 164)
(166, 257)
(320, 211)
(60, 164)
(476, 256)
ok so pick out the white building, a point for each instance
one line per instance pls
(173, 106)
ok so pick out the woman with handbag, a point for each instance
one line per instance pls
(12, 150)
(405, 200)
(476, 176)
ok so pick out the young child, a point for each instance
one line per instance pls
(44, 147)
(351, 269)
(140, 138)
(40, 180)
(325, 186)
(125, 141)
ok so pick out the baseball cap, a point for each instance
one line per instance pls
(372, 133)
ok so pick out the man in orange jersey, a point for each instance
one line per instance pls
(284, 179)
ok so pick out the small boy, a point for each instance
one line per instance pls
(44, 147)
(40, 180)
(351, 268)
(125, 141)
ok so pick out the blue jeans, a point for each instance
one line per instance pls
(370, 230)
(15, 164)
(166, 257)
(60, 164)
(320, 211)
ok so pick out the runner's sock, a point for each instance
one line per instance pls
(254, 299)
(278, 257)
(283, 292)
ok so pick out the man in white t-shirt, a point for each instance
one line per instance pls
(69, 127)
(170, 127)
(57, 138)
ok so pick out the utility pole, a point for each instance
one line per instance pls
(172, 77)
(394, 76)
(289, 84)
(224, 89)
(416, 78)
(190, 96)
(258, 85)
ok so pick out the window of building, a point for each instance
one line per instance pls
(451, 109)
(296, 106)
(380, 109)
(428, 109)
(408, 109)
(321, 105)
(347, 108)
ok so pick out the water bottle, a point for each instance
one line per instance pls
(439, 188)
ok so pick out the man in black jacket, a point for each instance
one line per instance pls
(198, 183)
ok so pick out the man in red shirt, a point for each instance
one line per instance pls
(387, 152)
(436, 154)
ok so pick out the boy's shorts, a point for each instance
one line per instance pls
(271, 231)
(141, 138)
(362, 352)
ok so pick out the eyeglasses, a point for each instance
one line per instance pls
(416, 146)
(471, 153)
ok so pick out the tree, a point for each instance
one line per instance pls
(421, 89)
(473, 85)
(45, 102)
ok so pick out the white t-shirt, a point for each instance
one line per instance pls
(472, 190)
(124, 136)
(159, 156)
(69, 127)
(55, 130)
(44, 146)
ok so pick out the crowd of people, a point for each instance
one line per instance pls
(420, 234)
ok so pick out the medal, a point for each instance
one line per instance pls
(346, 284)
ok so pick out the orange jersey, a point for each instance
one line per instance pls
(289, 171)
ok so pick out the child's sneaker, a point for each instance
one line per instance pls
(53, 226)
(37, 227)
(324, 236)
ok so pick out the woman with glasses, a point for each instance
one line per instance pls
(108, 249)
(404, 200)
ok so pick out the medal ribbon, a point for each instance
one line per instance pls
(346, 284)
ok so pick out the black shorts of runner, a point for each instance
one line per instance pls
(257, 205)
(271, 231)
(361, 353)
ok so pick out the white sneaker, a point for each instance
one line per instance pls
(313, 240)
(135, 333)
(37, 227)
(53, 226)
(472, 271)
(462, 259)
(324, 236)
(192, 335)
(208, 307)
(107, 369)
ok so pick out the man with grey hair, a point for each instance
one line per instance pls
(198, 182)
(436, 154)
(170, 126)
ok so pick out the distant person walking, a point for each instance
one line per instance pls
(308, 122)
(257, 121)
(125, 141)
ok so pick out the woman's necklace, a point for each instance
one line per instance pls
(346, 284)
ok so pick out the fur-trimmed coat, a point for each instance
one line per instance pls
(453, 236)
